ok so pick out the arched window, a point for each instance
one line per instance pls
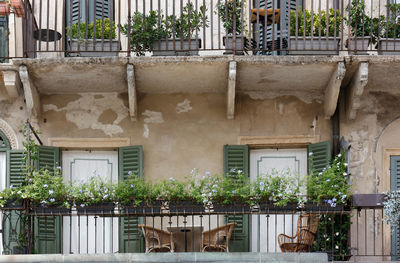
(4, 142)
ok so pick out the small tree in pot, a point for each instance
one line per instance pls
(388, 30)
(230, 13)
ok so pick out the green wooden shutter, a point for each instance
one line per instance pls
(47, 231)
(82, 8)
(395, 186)
(3, 39)
(131, 240)
(237, 157)
(12, 227)
(319, 156)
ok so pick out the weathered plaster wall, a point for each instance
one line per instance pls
(178, 131)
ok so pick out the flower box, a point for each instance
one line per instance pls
(51, 210)
(270, 207)
(14, 204)
(143, 208)
(186, 207)
(389, 46)
(236, 207)
(228, 41)
(358, 45)
(98, 48)
(313, 45)
(171, 47)
(99, 209)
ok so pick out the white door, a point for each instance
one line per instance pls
(90, 234)
(2, 187)
(265, 230)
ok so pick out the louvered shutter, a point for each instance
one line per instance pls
(319, 156)
(395, 186)
(86, 10)
(3, 38)
(237, 157)
(12, 227)
(47, 231)
(131, 240)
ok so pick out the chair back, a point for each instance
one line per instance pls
(306, 230)
(155, 237)
(219, 236)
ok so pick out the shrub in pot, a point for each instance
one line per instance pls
(230, 13)
(314, 34)
(389, 32)
(82, 42)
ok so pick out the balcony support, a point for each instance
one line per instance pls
(32, 96)
(230, 98)
(332, 90)
(132, 96)
(356, 89)
(12, 84)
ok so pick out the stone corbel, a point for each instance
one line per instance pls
(132, 96)
(230, 98)
(356, 89)
(32, 96)
(12, 84)
(333, 89)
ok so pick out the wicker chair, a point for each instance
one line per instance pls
(217, 239)
(307, 226)
(157, 240)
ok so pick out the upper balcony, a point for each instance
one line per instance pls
(100, 28)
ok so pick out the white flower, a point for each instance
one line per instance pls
(337, 247)
(232, 170)
(310, 153)
(52, 200)
(43, 202)
(130, 173)
(30, 180)
(58, 167)
(82, 205)
(337, 233)
(19, 192)
(207, 173)
(45, 186)
(346, 164)
(328, 180)
(344, 173)
(240, 171)
(131, 185)
(51, 192)
(339, 155)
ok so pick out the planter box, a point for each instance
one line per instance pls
(97, 51)
(166, 47)
(313, 46)
(100, 209)
(14, 204)
(358, 45)
(186, 207)
(389, 46)
(51, 210)
(143, 208)
(233, 208)
(228, 43)
(269, 207)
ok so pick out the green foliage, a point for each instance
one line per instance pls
(46, 189)
(331, 185)
(315, 24)
(134, 191)
(144, 30)
(359, 21)
(102, 30)
(278, 188)
(11, 194)
(392, 25)
(92, 192)
(173, 190)
(228, 12)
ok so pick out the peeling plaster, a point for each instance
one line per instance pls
(85, 111)
(146, 131)
(183, 106)
(308, 97)
(153, 117)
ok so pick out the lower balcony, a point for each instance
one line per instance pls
(164, 232)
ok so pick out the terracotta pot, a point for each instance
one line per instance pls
(18, 8)
(4, 9)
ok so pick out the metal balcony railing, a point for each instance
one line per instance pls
(198, 27)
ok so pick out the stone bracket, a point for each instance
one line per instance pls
(356, 89)
(132, 96)
(12, 84)
(32, 97)
(333, 89)
(230, 98)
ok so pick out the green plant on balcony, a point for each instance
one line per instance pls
(134, 191)
(230, 13)
(93, 192)
(101, 30)
(358, 20)
(11, 197)
(305, 23)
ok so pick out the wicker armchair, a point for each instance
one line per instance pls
(157, 240)
(217, 239)
(307, 226)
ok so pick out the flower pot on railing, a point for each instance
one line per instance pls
(389, 46)
(143, 208)
(228, 42)
(186, 207)
(177, 47)
(99, 209)
(50, 210)
(313, 45)
(14, 204)
(90, 48)
(18, 8)
(358, 45)
(235, 207)
(4, 9)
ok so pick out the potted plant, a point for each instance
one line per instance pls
(12, 198)
(137, 196)
(230, 13)
(309, 34)
(47, 193)
(82, 43)
(360, 27)
(389, 41)
(94, 197)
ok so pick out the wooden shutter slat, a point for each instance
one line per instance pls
(319, 156)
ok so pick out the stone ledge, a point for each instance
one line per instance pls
(173, 257)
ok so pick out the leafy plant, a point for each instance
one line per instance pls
(174, 190)
(44, 188)
(102, 29)
(315, 24)
(134, 191)
(230, 13)
(14, 193)
(92, 192)
(331, 185)
(359, 21)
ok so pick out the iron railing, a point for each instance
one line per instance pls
(191, 27)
